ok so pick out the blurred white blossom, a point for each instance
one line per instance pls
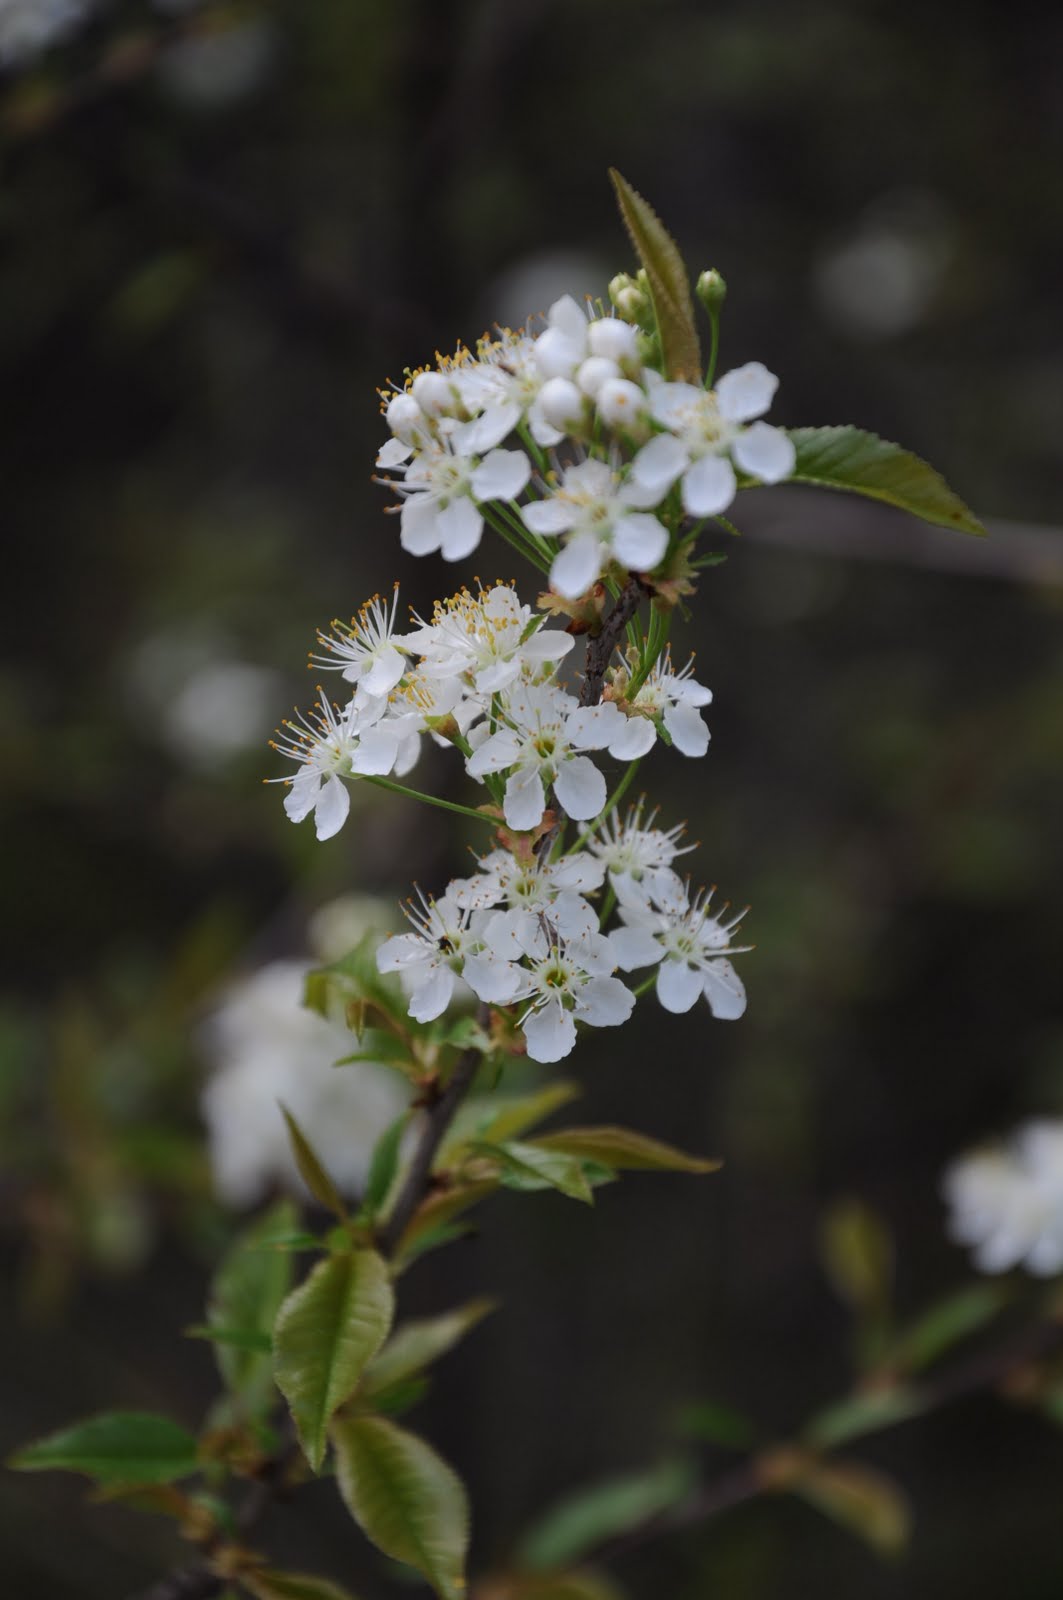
(1006, 1200)
(28, 27)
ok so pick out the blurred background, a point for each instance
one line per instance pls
(222, 226)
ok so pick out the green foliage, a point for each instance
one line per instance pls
(849, 458)
(268, 1584)
(622, 1148)
(384, 1166)
(526, 1166)
(669, 284)
(946, 1324)
(516, 1115)
(593, 1515)
(312, 1169)
(862, 1413)
(417, 1344)
(405, 1498)
(246, 1293)
(431, 1221)
(718, 1424)
(860, 1499)
(549, 1586)
(327, 1332)
(120, 1447)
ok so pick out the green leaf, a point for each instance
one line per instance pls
(438, 1211)
(849, 458)
(237, 1338)
(718, 1424)
(384, 1165)
(354, 979)
(269, 1584)
(405, 1498)
(857, 1252)
(862, 1413)
(246, 1293)
(669, 284)
(401, 1397)
(586, 1518)
(622, 1148)
(119, 1447)
(945, 1324)
(513, 1116)
(312, 1170)
(525, 1166)
(867, 1503)
(550, 1586)
(328, 1331)
(417, 1344)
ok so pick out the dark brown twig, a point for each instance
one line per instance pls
(600, 646)
(437, 1120)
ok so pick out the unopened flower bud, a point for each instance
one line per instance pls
(711, 291)
(554, 354)
(631, 303)
(432, 393)
(611, 337)
(622, 405)
(406, 419)
(562, 404)
(595, 371)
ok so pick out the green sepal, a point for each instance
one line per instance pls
(327, 1332)
(405, 1498)
(849, 458)
(669, 283)
(118, 1447)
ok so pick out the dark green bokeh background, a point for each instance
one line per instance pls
(199, 292)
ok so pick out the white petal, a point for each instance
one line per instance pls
(670, 403)
(385, 671)
(636, 947)
(594, 727)
(393, 453)
(460, 526)
(658, 464)
(709, 487)
(610, 336)
(580, 871)
(746, 392)
(302, 796)
(577, 566)
(525, 799)
(724, 990)
(377, 750)
(548, 516)
(495, 754)
(765, 452)
(689, 733)
(639, 541)
(635, 738)
(549, 1034)
(333, 804)
(490, 979)
(501, 475)
(574, 918)
(419, 534)
(567, 315)
(605, 1003)
(580, 788)
(431, 998)
(547, 644)
(678, 986)
(483, 433)
(401, 951)
(556, 355)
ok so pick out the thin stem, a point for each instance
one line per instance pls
(652, 658)
(437, 1121)
(608, 902)
(714, 347)
(429, 799)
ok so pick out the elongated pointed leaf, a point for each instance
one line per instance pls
(405, 1498)
(513, 1117)
(622, 1148)
(418, 1344)
(269, 1584)
(860, 1499)
(438, 1210)
(328, 1331)
(849, 458)
(384, 1165)
(591, 1515)
(525, 1166)
(946, 1324)
(119, 1447)
(669, 282)
(862, 1413)
(246, 1293)
(312, 1169)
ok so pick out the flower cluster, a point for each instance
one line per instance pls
(599, 439)
(1006, 1201)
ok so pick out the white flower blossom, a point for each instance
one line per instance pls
(449, 942)
(540, 743)
(500, 388)
(566, 981)
(367, 650)
(705, 430)
(691, 946)
(442, 490)
(28, 27)
(552, 889)
(1006, 1201)
(330, 744)
(490, 636)
(573, 339)
(600, 517)
(268, 1050)
(671, 697)
(639, 857)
